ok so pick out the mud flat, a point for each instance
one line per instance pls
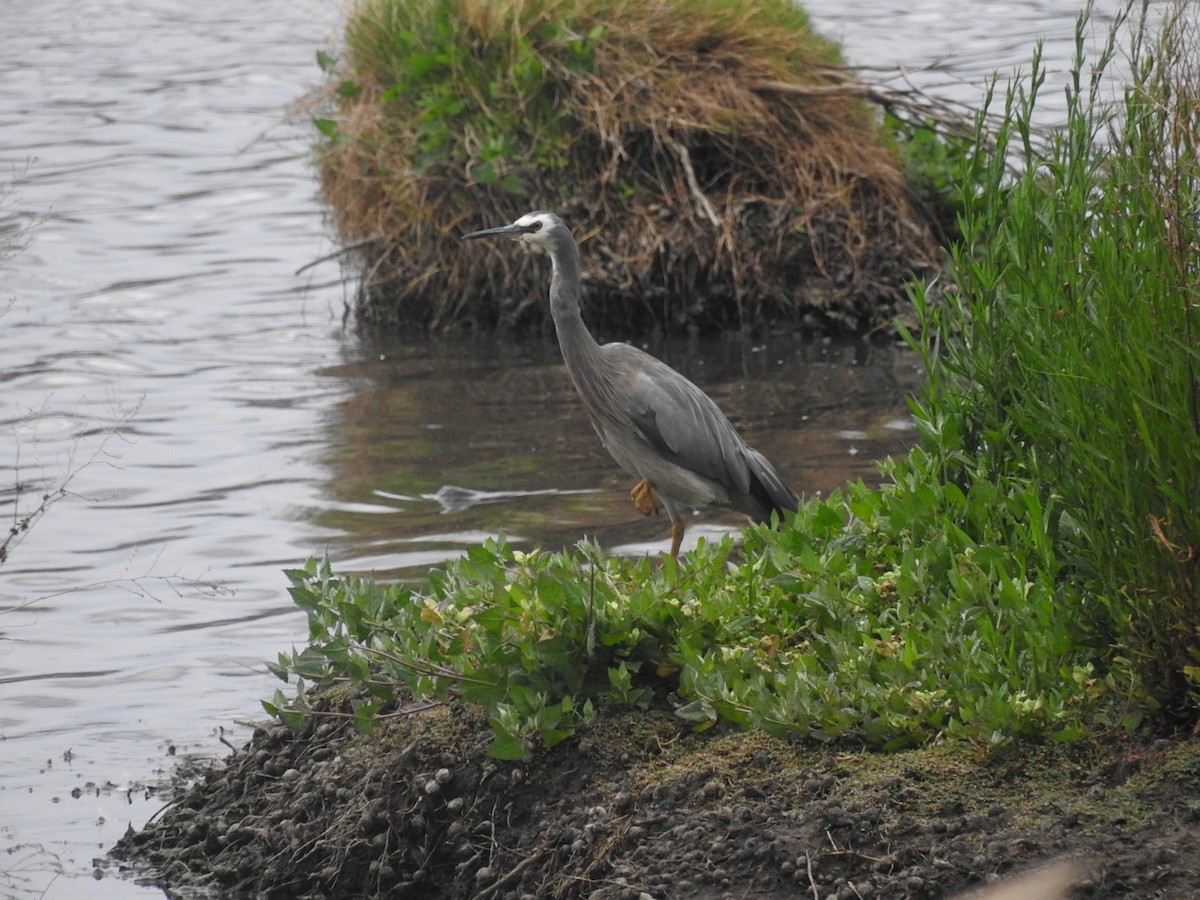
(636, 807)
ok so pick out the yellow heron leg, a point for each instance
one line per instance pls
(676, 537)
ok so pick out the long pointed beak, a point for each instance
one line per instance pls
(503, 231)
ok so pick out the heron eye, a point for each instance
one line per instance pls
(535, 226)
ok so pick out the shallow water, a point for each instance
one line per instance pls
(443, 443)
(214, 423)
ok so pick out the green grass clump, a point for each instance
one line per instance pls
(701, 149)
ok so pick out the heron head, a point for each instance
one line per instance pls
(535, 228)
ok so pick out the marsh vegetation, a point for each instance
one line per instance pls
(1029, 570)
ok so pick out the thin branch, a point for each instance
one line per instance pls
(349, 248)
(702, 202)
(134, 583)
(917, 106)
(410, 710)
(514, 873)
(811, 880)
(23, 522)
(431, 669)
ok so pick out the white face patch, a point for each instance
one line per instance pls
(540, 237)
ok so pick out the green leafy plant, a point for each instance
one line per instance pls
(1068, 356)
(885, 618)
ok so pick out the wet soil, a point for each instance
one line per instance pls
(637, 807)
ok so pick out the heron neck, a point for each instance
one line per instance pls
(579, 348)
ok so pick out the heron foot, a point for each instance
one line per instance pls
(643, 497)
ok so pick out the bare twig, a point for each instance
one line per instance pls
(432, 669)
(513, 874)
(917, 106)
(23, 521)
(135, 584)
(702, 202)
(811, 881)
(411, 710)
(349, 248)
(921, 108)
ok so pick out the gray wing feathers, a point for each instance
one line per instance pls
(681, 422)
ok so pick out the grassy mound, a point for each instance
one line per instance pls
(701, 150)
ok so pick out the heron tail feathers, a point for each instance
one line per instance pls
(768, 493)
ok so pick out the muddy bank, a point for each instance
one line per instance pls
(638, 808)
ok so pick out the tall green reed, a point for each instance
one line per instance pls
(1068, 352)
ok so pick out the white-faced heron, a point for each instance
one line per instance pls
(657, 425)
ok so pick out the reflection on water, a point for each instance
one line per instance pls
(443, 442)
(454, 499)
